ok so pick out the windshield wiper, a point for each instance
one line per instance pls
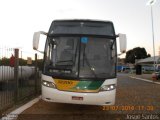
(67, 63)
(88, 63)
(58, 68)
(90, 67)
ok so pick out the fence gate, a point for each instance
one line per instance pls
(6, 79)
(19, 77)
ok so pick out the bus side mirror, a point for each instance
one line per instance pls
(122, 42)
(36, 38)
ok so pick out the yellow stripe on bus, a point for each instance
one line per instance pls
(71, 85)
(65, 84)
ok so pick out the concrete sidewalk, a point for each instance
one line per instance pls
(145, 77)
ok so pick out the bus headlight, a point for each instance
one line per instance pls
(48, 84)
(108, 87)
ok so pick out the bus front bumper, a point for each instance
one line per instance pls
(100, 98)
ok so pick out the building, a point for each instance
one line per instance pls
(148, 63)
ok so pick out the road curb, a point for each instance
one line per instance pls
(144, 80)
(14, 114)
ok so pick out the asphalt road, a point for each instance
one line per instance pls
(135, 99)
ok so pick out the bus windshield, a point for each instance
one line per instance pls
(80, 57)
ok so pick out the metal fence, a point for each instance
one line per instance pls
(19, 77)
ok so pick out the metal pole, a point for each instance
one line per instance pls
(21, 64)
(153, 39)
(16, 64)
(36, 75)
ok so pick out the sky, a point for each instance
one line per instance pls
(19, 19)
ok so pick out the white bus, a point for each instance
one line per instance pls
(80, 58)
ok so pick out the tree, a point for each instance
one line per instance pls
(4, 61)
(136, 53)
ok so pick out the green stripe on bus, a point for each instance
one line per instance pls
(88, 85)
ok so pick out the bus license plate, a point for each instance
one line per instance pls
(77, 98)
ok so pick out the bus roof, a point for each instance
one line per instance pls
(82, 27)
(81, 20)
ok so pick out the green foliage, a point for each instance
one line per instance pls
(39, 64)
(22, 62)
(136, 53)
(4, 61)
